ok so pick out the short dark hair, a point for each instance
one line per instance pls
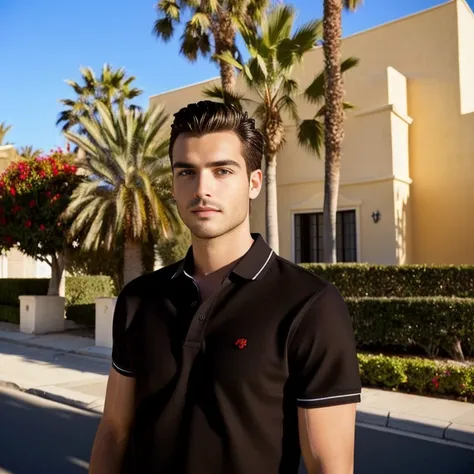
(208, 117)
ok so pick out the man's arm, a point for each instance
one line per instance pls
(327, 438)
(325, 371)
(114, 428)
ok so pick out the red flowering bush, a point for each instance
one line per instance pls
(33, 196)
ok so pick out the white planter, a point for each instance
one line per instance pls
(41, 314)
(104, 315)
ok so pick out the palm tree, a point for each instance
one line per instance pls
(118, 202)
(333, 118)
(4, 129)
(111, 88)
(29, 153)
(211, 20)
(275, 50)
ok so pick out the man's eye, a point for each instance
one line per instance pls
(184, 172)
(224, 171)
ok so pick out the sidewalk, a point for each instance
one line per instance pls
(69, 369)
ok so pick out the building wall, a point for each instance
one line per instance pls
(408, 143)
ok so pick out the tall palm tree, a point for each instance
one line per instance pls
(4, 129)
(112, 88)
(119, 202)
(275, 50)
(333, 118)
(211, 21)
(29, 153)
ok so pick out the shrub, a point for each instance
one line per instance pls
(430, 323)
(360, 279)
(33, 196)
(10, 314)
(81, 293)
(12, 288)
(418, 375)
(173, 249)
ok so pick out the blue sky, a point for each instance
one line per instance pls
(45, 43)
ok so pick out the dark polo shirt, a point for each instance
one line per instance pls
(218, 383)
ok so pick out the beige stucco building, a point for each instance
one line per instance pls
(408, 149)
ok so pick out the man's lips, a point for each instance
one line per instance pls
(204, 211)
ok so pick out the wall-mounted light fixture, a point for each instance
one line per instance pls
(376, 216)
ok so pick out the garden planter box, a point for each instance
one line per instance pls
(41, 314)
(104, 314)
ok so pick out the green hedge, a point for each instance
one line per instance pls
(10, 314)
(430, 323)
(12, 288)
(360, 279)
(417, 375)
(81, 293)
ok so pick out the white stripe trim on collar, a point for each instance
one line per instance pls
(264, 265)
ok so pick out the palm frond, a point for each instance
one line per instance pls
(277, 24)
(352, 5)
(311, 135)
(217, 92)
(194, 42)
(200, 22)
(227, 57)
(170, 8)
(349, 63)
(307, 36)
(287, 104)
(314, 93)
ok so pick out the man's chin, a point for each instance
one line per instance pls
(206, 233)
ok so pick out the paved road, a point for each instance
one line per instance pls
(38, 436)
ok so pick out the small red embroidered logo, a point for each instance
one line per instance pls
(241, 343)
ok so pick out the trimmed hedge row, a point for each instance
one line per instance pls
(430, 323)
(10, 314)
(360, 279)
(81, 293)
(417, 375)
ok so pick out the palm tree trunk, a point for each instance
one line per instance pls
(132, 265)
(272, 205)
(224, 36)
(333, 122)
(56, 285)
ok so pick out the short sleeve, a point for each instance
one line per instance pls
(322, 353)
(121, 360)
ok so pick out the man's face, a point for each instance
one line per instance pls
(211, 185)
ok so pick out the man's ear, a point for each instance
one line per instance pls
(256, 180)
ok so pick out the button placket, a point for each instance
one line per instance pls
(198, 324)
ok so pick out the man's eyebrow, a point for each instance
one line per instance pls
(212, 164)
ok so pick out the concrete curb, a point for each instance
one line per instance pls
(421, 425)
(62, 396)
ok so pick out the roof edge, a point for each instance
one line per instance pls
(184, 87)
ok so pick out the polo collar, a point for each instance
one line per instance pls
(252, 266)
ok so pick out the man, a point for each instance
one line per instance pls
(233, 360)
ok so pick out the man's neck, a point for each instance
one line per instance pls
(211, 255)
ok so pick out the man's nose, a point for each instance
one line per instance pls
(203, 185)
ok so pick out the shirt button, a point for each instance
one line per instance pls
(202, 317)
(193, 304)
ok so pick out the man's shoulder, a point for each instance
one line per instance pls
(153, 282)
(297, 275)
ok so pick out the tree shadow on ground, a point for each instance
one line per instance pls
(38, 436)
